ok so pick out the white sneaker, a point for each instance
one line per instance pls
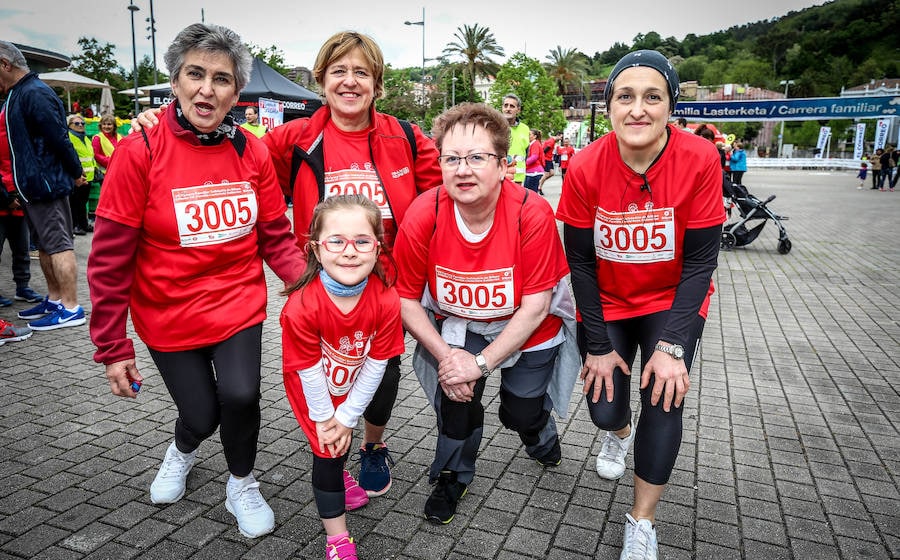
(640, 540)
(611, 459)
(244, 501)
(168, 486)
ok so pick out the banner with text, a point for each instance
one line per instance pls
(881, 131)
(271, 112)
(798, 109)
(859, 141)
(824, 134)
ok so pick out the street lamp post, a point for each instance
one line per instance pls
(132, 8)
(152, 37)
(786, 84)
(422, 23)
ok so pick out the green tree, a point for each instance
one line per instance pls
(692, 68)
(271, 55)
(475, 45)
(96, 61)
(399, 99)
(567, 69)
(540, 103)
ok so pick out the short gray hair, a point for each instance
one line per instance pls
(214, 39)
(12, 53)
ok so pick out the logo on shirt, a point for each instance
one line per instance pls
(400, 172)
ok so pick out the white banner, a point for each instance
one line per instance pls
(881, 130)
(859, 140)
(271, 112)
(824, 133)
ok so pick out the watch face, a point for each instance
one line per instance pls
(678, 351)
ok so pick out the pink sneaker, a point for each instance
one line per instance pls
(344, 549)
(354, 496)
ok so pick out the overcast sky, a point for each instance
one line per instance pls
(300, 28)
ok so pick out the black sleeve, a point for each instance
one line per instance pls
(701, 254)
(579, 244)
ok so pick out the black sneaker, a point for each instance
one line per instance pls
(553, 457)
(441, 505)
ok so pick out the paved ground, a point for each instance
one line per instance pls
(790, 448)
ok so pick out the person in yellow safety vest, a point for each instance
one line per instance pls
(518, 136)
(104, 144)
(79, 197)
(252, 124)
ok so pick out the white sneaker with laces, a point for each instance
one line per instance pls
(168, 486)
(611, 459)
(245, 502)
(640, 540)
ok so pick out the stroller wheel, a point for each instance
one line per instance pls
(729, 241)
(784, 246)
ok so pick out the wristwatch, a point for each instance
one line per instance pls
(675, 350)
(482, 364)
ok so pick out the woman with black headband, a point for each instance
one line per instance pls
(642, 212)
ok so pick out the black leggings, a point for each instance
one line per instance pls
(379, 410)
(217, 386)
(658, 437)
(328, 486)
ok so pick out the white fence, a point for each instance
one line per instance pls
(802, 163)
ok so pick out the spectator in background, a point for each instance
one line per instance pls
(534, 161)
(78, 200)
(875, 160)
(45, 170)
(104, 144)
(519, 138)
(252, 123)
(887, 167)
(738, 163)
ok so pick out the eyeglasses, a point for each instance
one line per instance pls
(474, 161)
(77, 123)
(338, 244)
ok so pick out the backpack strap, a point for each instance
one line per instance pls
(410, 137)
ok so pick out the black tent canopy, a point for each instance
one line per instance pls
(266, 82)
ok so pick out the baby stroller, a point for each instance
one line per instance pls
(743, 232)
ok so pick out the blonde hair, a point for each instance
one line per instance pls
(342, 43)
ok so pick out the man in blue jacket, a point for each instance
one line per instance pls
(45, 169)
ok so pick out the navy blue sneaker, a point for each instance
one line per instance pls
(374, 472)
(39, 310)
(27, 294)
(5, 302)
(59, 318)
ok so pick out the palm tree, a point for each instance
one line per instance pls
(567, 68)
(475, 45)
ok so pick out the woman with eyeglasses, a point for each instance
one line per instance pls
(78, 200)
(190, 211)
(642, 213)
(104, 144)
(486, 255)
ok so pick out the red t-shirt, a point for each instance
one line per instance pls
(483, 281)
(6, 172)
(549, 144)
(639, 233)
(198, 275)
(314, 329)
(565, 154)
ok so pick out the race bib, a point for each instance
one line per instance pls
(486, 294)
(358, 181)
(214, 213)
(640, 236)
(564, 157)
(342, 365)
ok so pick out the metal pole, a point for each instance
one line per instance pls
(424, 105)
(787, 84)
(132, 8)
(153, 41)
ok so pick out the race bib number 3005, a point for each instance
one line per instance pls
(642, 236)
(216, 213)
(486, 294)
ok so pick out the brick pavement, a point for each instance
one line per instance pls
(790, 447)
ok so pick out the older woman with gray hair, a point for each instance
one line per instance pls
(189, 211)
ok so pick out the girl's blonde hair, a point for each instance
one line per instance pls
(340, 204)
